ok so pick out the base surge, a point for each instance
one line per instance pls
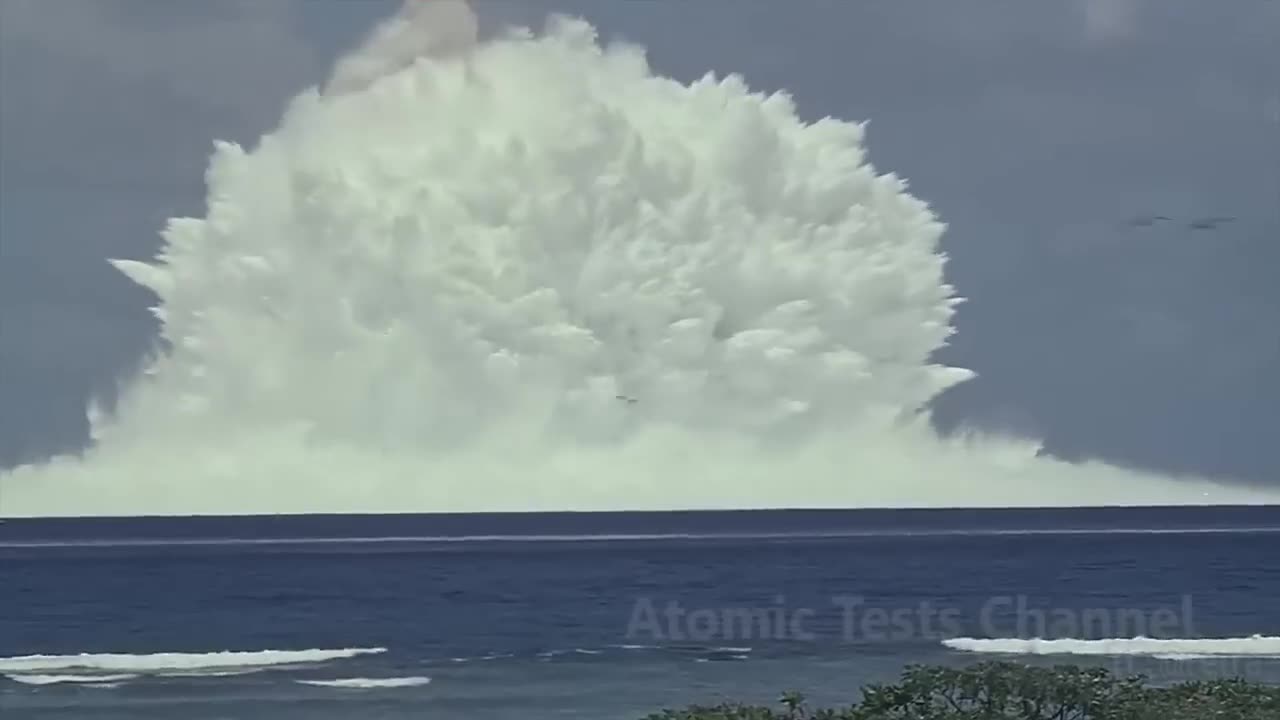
(529, 274)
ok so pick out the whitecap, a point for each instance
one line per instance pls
(103, 681)
(158, 663)
(1169, 648)
(369, 683)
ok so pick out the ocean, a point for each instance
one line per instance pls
(611, 615)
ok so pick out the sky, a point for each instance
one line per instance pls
(1038, 131)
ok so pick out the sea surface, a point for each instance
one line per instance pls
(609, 616)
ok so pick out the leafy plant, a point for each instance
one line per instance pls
(1009, 691)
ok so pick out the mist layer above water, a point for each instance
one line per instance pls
(529, 274)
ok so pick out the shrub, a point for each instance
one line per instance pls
(1009, 691)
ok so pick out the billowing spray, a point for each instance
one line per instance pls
(422, 29)
(529, 274)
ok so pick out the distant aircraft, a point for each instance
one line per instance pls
(1149, 220)
(1205, 223)
(1209, 223)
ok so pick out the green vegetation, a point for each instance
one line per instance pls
(1008, 691)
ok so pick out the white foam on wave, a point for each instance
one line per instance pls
(1163, 648)
(721, 658)
(233, 672)
(1191, 657)
(571, 651)
(484, 658)
(369, 683)
(104, 681)
(160, 663)
(530, 274)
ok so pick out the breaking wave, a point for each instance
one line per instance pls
(175, 663)
(102, 681)
(369, 683)
(1161, 648)
(529, 274)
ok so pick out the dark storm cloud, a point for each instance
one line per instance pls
(1038, 131)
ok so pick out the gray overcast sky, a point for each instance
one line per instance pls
(1037, 130)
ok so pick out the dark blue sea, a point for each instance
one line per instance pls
(609, 616)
